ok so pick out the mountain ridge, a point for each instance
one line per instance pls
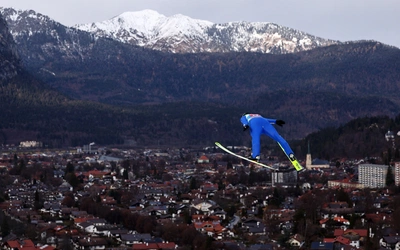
(177, 94)
(194, 35)
(150, 29)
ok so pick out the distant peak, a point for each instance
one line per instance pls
(140, 14)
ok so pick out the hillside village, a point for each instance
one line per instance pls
(189, 199)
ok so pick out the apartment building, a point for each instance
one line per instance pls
(372, 175)
(396, 173)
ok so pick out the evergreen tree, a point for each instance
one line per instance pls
(389, 177)
(69, 168)
(37, 203)
(186, 217)
(193, 183)
(5, 227)
(342, 195)
(15, 160)
(396, 154)
(276, 199)
(72, 180)
(231, 211)
(125, 174)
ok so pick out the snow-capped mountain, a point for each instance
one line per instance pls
(149, 28)
(38, 37)
(182, 34)
(176, 34)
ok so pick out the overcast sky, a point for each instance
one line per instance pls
(344, 20)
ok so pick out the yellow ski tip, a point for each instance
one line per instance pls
(297, 166)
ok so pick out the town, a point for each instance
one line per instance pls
(186, 198)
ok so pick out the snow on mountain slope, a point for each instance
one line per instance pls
(183, 34)
(176, 34)
(145, 28)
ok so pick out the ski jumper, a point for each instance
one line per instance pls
(259, 125)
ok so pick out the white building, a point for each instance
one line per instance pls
(31, 144)
(372, 175)
(396, 173)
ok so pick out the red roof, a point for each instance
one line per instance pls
(203, 157)
(343, 240)
(166, 245)
(329, 240)
(341, 220)
(145, 246)
(21, 244)
(209, 226)
(323, 221)
(360, 232)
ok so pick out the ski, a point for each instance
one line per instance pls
(294, 161)
(242, 157)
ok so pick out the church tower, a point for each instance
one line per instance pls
(308, 157)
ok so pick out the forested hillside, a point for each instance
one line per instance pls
(360, 138)
(115, 93)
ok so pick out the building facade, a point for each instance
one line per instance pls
(344, 184)
(30, 144)
(396, 173)
(372, 175)
(284, 176)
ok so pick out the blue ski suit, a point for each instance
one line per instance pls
(259, 125)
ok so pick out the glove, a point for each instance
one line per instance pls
(279, 122)
(245, 127)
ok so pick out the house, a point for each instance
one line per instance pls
(341, 222)
(318, 245)
(26, 244)
(65, 187)
(105, 229)
(131, 239)
(203, 159)
(323, 222)
(65, 212)
(78, 214)
(335, 209)
(86, 226)
(296, 240)
(145, 246)
(209, 189)
(219, 213)
(90, 243)
(211, 228)
(353, 236)
(254, 227)
(342, 240)
(203, 206)
(117, 232)
(286, 226)
(94, 225)
(155, 246)
(261, 247)
(390, 242)
(97, 221)
(378, 219)
(167, 245)
(19, 244)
